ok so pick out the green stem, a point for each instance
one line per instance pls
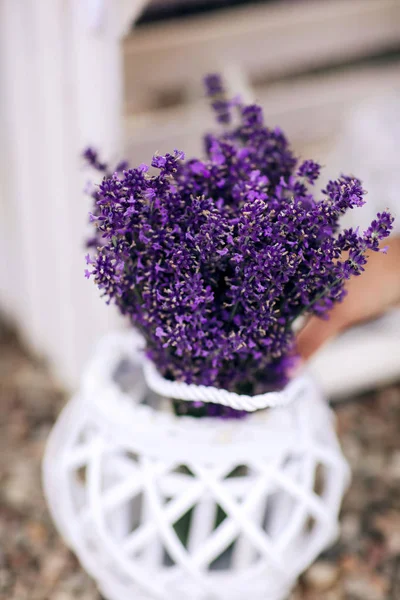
(317, 297)
(234, 309)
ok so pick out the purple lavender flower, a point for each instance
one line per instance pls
(213, 84)
(310, 170)
(92, 158)
(216, 92)
(213, 259)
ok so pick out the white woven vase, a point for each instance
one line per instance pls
(163, 507)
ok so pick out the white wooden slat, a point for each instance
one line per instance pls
(62, 90)
(18, 154)
(10, 259)
(310, 110)
(264, 40)
(55, 136)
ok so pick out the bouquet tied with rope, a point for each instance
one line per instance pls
(214, 259)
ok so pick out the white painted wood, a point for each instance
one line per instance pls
(18, 154)
(264, 41)
(62, 89)
(311, 110)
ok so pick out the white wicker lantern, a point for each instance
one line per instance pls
(159, 507)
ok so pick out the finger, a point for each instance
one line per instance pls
(316, 333)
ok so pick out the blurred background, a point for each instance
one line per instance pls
(125, 76)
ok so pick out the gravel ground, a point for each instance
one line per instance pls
(35, 565)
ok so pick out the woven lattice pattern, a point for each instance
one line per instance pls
(158, 507)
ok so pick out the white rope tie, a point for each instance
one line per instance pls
(191, 392)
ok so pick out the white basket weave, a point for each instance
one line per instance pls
(163, 507)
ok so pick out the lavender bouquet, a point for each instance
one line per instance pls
(214, 259)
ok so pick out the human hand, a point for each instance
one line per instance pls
(369, 295)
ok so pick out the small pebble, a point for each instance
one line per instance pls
(36, 533)
(61, 595)
(349, 527)
(22, 483)
(53, 567)
(394, 466)
(359, 587)
(322, 575)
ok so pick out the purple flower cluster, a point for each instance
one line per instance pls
(214, 259)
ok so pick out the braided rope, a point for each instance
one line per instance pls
(191, 392)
